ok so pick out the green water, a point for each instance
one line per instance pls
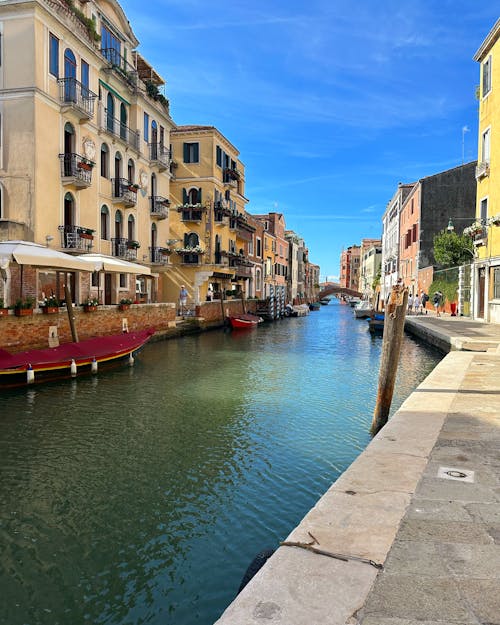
(141, 495)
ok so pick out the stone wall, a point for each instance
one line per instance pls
(32, 332)
(211, 312)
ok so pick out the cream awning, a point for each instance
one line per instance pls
(111, 264)
(27, 253)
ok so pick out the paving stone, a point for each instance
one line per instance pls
(471, 561)
(451, 490)
(436, 510)
(444, 531)
(483, 598)
(415, 558)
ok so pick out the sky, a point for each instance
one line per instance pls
(330, 103)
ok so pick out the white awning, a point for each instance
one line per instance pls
(111, 264)
(27, 253)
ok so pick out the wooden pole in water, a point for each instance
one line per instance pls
(69, 308)
(394, 323)
(222, 302)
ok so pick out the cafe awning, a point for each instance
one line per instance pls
(111, 264)
(36, 255)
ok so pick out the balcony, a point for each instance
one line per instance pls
(118, 129)
(159, 155)
(125, 248)
(159, 206)
(158, 255)
(76, 238)
(76, 170)
(119, 65)
(482, 170)
(124, 192)
(77, 97)
(480, 236)
(191, 212)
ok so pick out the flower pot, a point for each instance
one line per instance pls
(50, 310)
(4, 312)
(133, 189)
(85, 166)
(123, 306)
(23, 312)
(89, 308)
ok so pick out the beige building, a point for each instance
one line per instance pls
(211, 235)
(371, 260)
(84, 160)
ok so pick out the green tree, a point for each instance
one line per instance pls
(452, 249)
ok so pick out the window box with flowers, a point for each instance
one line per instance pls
(495, 220)
(125, 303)
(473, 229)
(90, 305)
(85, 165)
(24, 307)
(133, 187)
(197, 249)
(86, 233)
(50, 305)
(133, 245)
(165, 251)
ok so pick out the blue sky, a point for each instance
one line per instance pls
(331, 103)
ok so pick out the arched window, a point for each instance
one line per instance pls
(118, 175)
(104, 222)
(131, 170)
(110, 114)
(154, 238)
(131, 228)
(191, 240)
(70, 76)
(194, 196)
(69, 138)
(154, 132)
(118, 224)
(258, 280)
(71, 237)
(104, 161)
(123, 122)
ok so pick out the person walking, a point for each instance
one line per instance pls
(410, 303)
(416, 304)
(424, 298)
(183, 295)
(437, 300)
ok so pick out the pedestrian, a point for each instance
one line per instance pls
(410, 303)
(424, 298)
(183, 295)
(437, 299)
(416, 304)
(210, 293)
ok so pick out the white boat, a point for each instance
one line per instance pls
(363, 309)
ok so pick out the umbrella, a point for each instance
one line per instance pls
(111, 264)
(27, 253)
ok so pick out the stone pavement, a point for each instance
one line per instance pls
(423, 499)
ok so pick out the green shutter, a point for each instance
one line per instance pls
(199, 195)
(196, 155)
(186, 239)
(184, 196)
(186, 152)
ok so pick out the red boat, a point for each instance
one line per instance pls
(246, 321)
(70, 359)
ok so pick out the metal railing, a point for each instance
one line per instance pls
(159, 154)
(76, 238)
(124, 248)
(157, 256)
(122, 189)
(72, 92)
(120, 65)
(118, 129)
(77, 167)
(159, 206)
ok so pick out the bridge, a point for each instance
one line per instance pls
(333, 288)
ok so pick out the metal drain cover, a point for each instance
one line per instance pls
(454, 473)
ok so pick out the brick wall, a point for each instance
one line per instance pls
(212, 311)
(22, 333)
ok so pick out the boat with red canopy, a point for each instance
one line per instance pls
(70, 359)
(241, 322)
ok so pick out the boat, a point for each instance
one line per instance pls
(324, 302)
(363, 309)
(354, 301)
(297, 310)
(314, 306)
(242, 322)
(70, 359)
(376, 323)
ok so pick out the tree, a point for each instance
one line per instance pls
(452, 249)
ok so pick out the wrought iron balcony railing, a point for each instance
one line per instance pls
(72, 93)
(158, 255)
(76, 169)
(120, 66)
(118, 129)
(124, 191)
(159, 206)
(76, 238)
(124, 248)
(159, 155)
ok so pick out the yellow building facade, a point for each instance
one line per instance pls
(210, 232)
(85, 159)
(486, 235)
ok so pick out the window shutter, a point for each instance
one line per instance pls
(196, 153)
(186, 152)
(186, 239)
(199, 195)
(184, 196)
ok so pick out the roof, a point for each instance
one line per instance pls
(488, 43)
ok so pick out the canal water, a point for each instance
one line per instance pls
(141, 495)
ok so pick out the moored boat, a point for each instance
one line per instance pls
(70, 359)
(242, 322)
(376, 323)
(363, 309)
(314, 306)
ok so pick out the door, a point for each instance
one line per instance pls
(482, 283)
(107, 288)
(70, 76)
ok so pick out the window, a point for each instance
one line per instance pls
(484, 209)
(85, 71)
(104, 223)
(485, 146)
(258, 248)
(54, 56)
(110, 46)
(486, 76)
(496, 282)
(95, 279)
(146, 127)
(218, 156)
(104, 161)
(123, 281)
(131, 228)
(191, 153)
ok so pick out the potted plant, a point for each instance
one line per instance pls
(133, 245)
(50, 305)
(495, 220)
(124, 303)
(86, 165)
(3, 311)
(133, 187)
(86, 233)
(24, 307)
(91, 304)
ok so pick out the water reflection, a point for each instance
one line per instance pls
(141, 495)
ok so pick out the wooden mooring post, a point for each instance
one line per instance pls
(394, 323)
(71, 312)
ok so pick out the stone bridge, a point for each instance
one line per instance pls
(336, 288)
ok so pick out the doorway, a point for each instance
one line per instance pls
(107, 288)
(481, 294)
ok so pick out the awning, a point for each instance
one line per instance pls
(27, 253)
(111, 264)
(222, 276)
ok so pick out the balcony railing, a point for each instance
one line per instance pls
(159, 206)
(158, 255)
(118, 129)
(120, 66)
(482, 170)
(123, 191)
(480, 237)
(76, 238)
(124, 248)
(75, 95)
(159, 155)
(76, 170)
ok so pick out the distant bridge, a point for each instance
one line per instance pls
(336, 288)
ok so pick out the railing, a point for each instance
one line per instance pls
(158, 256)
(77, 168)
(480, 237)
(76, 238)
(482, 170)
(159, 206)
(120, 65)
(159, 154)
(118, 128)
(192, 214)
(72, 92)
(124, 191)
(124, 248)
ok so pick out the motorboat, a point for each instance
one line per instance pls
(376, 323)
(363, 309)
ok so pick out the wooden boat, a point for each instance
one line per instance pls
(363, 310)
(242, 322)
(314, 306)
(70, 359)
(376, 323)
